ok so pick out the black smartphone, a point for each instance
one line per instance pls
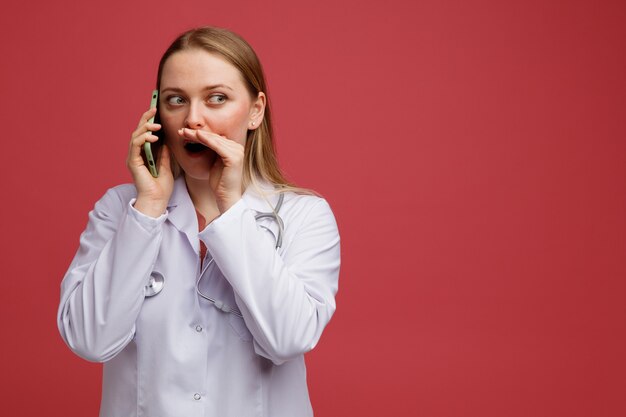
(150, 150)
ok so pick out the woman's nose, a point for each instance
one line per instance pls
(194, 119)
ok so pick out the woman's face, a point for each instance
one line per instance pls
(201, 90)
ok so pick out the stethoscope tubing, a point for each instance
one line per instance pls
(279, 241)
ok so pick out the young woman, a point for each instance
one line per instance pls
(202, 289)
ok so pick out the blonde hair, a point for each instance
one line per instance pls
(260, 158)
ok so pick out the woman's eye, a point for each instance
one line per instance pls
(175, 100)
(217, 99)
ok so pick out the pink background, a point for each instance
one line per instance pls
(474, 153)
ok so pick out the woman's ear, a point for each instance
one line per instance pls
(257, 111)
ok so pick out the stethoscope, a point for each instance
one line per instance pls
(155, 285)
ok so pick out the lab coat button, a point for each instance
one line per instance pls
(196, 396)
(198, 328)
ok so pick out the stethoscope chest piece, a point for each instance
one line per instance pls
(155, 285)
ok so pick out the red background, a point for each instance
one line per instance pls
(474, 153)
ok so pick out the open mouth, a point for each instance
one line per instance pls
(195, 147)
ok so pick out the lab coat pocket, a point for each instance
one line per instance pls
(240, 328)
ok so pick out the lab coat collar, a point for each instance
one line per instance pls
(262, 198)
(182, 213)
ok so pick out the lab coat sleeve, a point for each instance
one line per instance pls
(286, 300)
(103, 289)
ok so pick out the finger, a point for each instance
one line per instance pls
(216, 173)
(164, 159)
(146, 116)
(134, 151)
(153, 127)
(139, 140)
(146, 127)
(197, 135)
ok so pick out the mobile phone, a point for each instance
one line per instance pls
(149, 156)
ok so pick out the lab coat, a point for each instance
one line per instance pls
(176, 354)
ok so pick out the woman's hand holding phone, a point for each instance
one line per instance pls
(153, 193)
